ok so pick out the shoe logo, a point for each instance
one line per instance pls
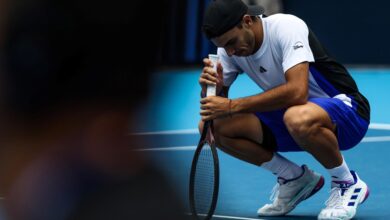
(354, 196)
(298, 45)
(262, 69)
(344, 185)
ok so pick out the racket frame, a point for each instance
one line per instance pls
(203, 139)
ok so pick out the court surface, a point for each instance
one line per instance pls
(171, 136)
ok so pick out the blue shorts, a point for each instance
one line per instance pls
(351, 128)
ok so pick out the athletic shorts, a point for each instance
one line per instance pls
(350, 129)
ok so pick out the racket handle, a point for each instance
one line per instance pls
(212, 89)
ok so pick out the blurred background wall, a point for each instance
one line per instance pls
(354, 32)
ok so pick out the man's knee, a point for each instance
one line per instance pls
(221, 127)
(299, 121)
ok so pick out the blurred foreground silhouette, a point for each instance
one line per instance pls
(71, 78)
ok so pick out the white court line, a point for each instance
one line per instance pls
(376, 139)
(184, 131)
(182, 148)
(191, 148)
(377, 126)
(235, 217)
(229, 217)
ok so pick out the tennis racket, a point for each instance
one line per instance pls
(204, 176)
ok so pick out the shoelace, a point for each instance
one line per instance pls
(335, 199)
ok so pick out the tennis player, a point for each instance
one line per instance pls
(310, 103)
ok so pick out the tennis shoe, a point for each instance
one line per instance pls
(287, 194)
(344, 199)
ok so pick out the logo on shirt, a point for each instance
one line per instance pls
(262, 69)
(298, 45)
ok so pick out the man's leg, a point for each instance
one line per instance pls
(312, 128)
(242, 136)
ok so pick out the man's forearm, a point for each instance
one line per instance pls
(277, 98)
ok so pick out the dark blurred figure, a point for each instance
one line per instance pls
(71, 77)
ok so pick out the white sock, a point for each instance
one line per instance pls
(341, 173)
(282, 167)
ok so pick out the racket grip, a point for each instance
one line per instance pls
(212, 89)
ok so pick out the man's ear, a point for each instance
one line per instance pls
(247, 20)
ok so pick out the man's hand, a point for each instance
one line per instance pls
(211, 77)
(214, 107)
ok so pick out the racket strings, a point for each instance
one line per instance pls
(204, 181)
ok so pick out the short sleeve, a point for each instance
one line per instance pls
(293, 38)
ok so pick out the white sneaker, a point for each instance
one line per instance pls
(287, 194)
(344, 199)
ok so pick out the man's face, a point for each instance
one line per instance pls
(237, 41)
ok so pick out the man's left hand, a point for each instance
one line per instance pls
(213, 107)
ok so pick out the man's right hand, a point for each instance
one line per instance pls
(211, 77)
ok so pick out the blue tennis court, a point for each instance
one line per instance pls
(172, 117)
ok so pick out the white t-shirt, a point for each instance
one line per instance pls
(285, 45)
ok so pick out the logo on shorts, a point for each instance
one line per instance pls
(298, 45)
